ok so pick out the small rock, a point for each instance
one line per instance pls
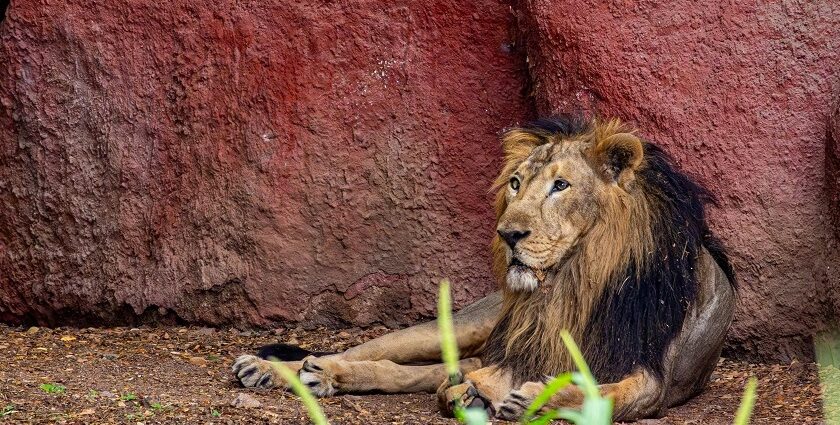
(107, 394)
(87, 412)
(244, 401)
(109, 356)
(33, 330)
(198, 361)
(344, 334)
(121, 403)
(293, 341)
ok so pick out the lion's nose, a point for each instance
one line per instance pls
(511, 237)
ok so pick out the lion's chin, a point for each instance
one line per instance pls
(520, 278)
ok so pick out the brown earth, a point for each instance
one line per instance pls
(181, 375)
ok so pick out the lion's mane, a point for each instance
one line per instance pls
(624, 291)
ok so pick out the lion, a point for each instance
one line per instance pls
(598, 233)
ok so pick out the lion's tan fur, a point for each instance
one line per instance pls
(611, 217)
(566, 301)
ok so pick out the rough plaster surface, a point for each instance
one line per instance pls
(249, 162)
(740, 93)
(252, 162)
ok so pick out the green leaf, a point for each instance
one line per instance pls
(747, 403)
(473, 416)
(597, 411)
(572, 416)
(590, 387)
(309, 402)
(556, 384)
(448, 345)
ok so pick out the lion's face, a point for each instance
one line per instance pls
(554, 195)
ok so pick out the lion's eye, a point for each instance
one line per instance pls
(514, 183)
(559, 185)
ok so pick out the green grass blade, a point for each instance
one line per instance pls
(556, 384)
(747, 403)
(544, 419)
(590, 387)
(473, 416)
(827, 347)
(448, 346)
(309, 402)
(597, 411)
(571, 416)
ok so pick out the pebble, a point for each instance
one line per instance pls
(33, 330)
(244, 401)
(199, 361)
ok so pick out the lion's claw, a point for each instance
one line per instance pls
(254, 372)
(514, 406)
(464, 394)
(316, 375)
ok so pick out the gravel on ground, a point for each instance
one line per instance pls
(182, 375)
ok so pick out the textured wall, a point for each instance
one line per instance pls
(740, 93)
(245, 162)
(250, 162)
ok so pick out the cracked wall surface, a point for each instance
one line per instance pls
(249, 162)
(246, 163)
(740, 93)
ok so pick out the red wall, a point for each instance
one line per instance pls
(252, 162)
(740, 93)
(247, 162)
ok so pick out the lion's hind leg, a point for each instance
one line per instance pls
(329, 375)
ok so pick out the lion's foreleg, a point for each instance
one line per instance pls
(330, 375)
(637, 396)
(253, 371)
(485, 388)
(421, 343)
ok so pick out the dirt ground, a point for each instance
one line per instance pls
(182, 375)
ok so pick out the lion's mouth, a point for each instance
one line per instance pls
(521, 277)
(516, 263)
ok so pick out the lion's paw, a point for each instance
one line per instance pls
(319, 374)
(514, 405)
(465, 395)
(254, 372)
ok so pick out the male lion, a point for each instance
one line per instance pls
(599, 234)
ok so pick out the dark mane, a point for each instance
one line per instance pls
(561, 125)
(643, 310)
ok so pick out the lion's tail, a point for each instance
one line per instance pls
(287, 353)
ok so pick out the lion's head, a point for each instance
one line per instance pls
(554, 189)
(597, 233)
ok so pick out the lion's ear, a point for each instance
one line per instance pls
(619, 155)
(517, 144)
